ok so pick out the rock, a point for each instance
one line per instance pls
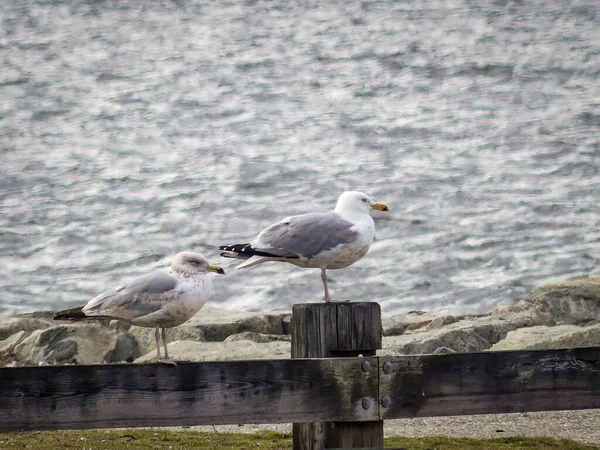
(257, 337)
(42, 340)
(38, 339)
(438, 322)
(568, 302)
(12, 325)
(565, 314)
(543, 338)
(222, 351)
(126, 349)
(443, 351)
(68, 344)
(414, 320)
(7, 348)
(7, 345)
(217, 323)
(467, 335)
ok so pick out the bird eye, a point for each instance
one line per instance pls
(364, 200)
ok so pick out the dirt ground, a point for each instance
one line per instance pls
(583, 426)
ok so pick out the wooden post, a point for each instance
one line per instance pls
(329, 330)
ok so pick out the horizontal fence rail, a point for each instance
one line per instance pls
(490, 382)
(297, 390)
(148, 395)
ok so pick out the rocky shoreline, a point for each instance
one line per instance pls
(558, 315)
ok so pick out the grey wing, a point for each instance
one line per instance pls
(136, 298)
(305, 235)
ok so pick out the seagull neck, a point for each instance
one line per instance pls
(351, 216)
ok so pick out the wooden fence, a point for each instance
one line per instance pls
(334, 389)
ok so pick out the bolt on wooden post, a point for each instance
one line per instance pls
(334, 330)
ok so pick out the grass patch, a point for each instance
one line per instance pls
(143, 439)
(506, 443)
(158, 439)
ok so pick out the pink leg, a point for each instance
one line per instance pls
(157, 337)
(164, 338)
(166, 359)
(324, 278)
(328, 298)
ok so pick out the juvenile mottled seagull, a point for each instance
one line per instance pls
(161, 299)
(331, 240)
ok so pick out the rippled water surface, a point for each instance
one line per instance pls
(132, 130)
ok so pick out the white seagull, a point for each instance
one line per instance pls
(162, 299)
(331, 240)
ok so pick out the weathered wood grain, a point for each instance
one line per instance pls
(325, 330)
(353, 435)
(490, 382)
(105, 396)
(359, 328)
(332, 330)
(310, 338)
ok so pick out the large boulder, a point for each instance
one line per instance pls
(217, 323)
(14, 330)
(535, 322)
(12, 325)
(567, 302)
(415, 321)
(70, 344)
(543, 337)
(7, 347)
(36, 338)
(466, 335)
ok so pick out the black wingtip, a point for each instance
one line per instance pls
(245, 249)
(71, 314)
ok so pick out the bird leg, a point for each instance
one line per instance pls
(324, 278)
(164, 338)
(166, 359)
(328, 298)
(157, 337)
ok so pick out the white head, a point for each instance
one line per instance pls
(191, 262)
(353, 202)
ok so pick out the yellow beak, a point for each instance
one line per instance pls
(216, 269)
(380, 207)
